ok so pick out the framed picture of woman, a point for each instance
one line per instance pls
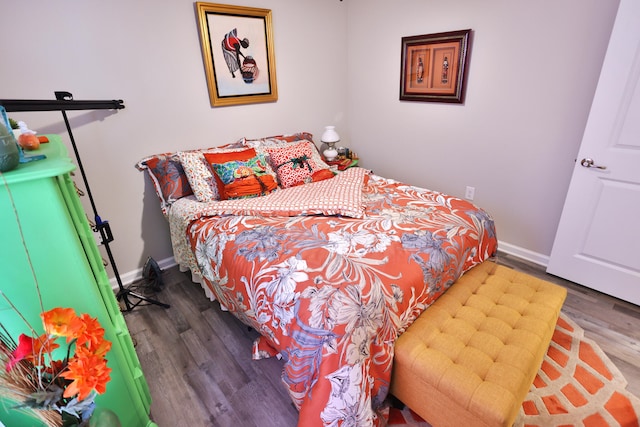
(238, 54)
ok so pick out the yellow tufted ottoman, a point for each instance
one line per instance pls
(471, 357)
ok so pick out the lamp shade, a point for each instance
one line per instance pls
(330, 135)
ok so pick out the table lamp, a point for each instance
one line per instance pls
(330, 137)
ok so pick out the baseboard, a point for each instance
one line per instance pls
(132, 276)
(526, 254)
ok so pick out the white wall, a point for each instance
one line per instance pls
(532, 74)
(147, 53)
(533, 68)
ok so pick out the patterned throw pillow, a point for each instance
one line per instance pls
(245, 178)
(315, 154)
(168, 178)
(294, 164)
(199, 175)
(227, 156)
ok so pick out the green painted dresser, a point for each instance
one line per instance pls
(40, 208)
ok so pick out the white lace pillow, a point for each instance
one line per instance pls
(199, 175)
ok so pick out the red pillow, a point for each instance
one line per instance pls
(294, 164)
(220, 158)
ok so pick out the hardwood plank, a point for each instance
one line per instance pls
(217, 405)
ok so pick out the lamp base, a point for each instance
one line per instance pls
(330, 153)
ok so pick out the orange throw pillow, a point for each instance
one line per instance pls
(242, 179)
(224, 157)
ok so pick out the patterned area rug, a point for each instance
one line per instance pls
(577, 385)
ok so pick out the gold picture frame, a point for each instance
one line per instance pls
(238, 54)
(434, 67)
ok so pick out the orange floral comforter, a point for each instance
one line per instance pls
(330, 294)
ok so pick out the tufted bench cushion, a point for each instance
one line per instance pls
(471, 357)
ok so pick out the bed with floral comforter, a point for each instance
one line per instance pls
(330, 273)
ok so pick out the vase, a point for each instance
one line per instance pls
(103, 417)
(330, 153)
(9, 154)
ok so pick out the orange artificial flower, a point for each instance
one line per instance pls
(101, 348)
(62, 322)
(88, 372)
(91, 333)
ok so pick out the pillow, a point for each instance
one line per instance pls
(275, 140)
(199, 173)
(261, 144)
(315, 154)
(294, 164)
(168, 178)
(224, 157)
(245, 178)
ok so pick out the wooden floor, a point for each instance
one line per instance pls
(197, 359)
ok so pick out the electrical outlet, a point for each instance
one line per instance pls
(470, 193)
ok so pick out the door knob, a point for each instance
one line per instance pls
(588, 163)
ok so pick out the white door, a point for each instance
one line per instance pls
(598, 239)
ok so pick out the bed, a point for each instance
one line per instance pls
(329, 269)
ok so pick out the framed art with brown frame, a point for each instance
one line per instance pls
(434, 66)
(238, 54)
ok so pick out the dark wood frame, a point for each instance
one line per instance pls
(433, 67)
(227, 87)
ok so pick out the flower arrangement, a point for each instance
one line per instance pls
(60, 392)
